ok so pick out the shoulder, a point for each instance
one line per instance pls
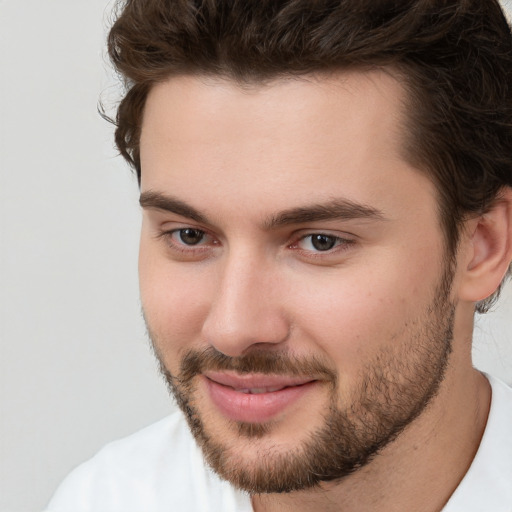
(500, 390)
(499, 423)
(496, 444)
(158, 468)
(486, 485)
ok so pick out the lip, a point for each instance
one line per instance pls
(255, 398)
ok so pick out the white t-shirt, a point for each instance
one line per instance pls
(160, 469)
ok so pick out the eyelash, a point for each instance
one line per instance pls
(182, 246)
(340, 244)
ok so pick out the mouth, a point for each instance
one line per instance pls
(255, 398)
(258, 391)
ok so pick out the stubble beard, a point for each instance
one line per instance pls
(395, 388)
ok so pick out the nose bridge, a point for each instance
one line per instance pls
(246, 309)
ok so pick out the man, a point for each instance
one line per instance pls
(326, 201)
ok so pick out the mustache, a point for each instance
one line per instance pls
(257, 361)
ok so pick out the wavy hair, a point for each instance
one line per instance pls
(454, 58)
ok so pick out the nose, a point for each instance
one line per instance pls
(247, 309)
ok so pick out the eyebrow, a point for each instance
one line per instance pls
(336, 209)
(158, 201)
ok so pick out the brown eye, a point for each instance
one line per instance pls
(190, 236)
(317, 243)
(323, 242)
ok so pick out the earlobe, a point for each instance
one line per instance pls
(489, 250)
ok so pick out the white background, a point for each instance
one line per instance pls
(75, 367)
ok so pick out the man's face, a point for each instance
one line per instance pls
(292, 272)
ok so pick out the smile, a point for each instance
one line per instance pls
(255, 398)
(258, 391)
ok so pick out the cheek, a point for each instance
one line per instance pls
(352, 318)
(175, 302)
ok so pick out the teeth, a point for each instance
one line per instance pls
(257, 391)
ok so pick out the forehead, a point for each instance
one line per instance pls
(312, 106)
(285, 141)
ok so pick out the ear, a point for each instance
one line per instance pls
(489, 250)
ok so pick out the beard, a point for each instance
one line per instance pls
(392, 390)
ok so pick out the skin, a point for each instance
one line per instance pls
(242, 156)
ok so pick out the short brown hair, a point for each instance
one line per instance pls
(453, 56)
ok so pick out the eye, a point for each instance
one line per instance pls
(189, 236)
(188, 243)
(187, 239)
(321, 242)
